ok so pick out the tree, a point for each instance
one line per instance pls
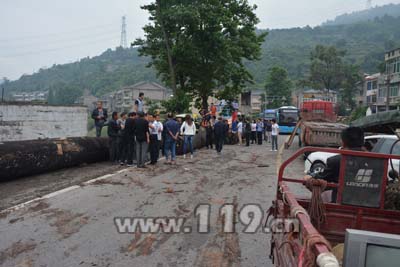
(326, 71)
(352, 78)
(203, 43)
(278, 87)
(179, 103)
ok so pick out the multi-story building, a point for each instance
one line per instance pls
(382, 90)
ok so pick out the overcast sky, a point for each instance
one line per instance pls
(40, 33)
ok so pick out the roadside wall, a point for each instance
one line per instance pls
(25, 121)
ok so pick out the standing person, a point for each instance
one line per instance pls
(253, 132)
(248, 131)
(112, 131)
(260, 131)
(220, 133)
(139, 104)
(129, 136)
(172, 133)
(268, 131)
(122, 141)
(213, 110)
(209, 134)
(188, 130)
(234, 131)
(99, 115)
(155, 129)
(274, 135)
(240, 132)
(141, 128)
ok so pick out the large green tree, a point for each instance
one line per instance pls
(278, 87)
(198, 46)
(326, 71)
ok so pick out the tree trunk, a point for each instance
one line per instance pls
(24, 158)
(169, 53)
(204, 102)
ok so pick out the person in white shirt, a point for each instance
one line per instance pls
(188, 130)
(274, 135)
(253, 132)
(155, 128)
(240, 131)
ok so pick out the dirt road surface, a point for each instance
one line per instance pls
(76, 228)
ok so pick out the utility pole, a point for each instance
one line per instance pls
(2, 94)
(123, 33)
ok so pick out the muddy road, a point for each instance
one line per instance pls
(77, 227)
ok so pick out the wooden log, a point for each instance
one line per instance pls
(23, 158)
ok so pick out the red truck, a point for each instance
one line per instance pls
(318, 126)
(319, 238)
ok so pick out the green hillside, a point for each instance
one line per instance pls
(365, 43)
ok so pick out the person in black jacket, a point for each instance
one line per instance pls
(99, 115)
(113, 131)
(129, 137)
(219, 134)
(247, 129)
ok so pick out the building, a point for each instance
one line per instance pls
(88, 100)
(392, 77)
(382, 90)
(251, 101)
(124, 99)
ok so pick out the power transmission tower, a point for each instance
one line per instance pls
(123, 33)
(369, 4)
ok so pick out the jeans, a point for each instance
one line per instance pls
(188, 141)
(154, 148)
(268, 136)
(260, 137)
(170, 146)
(113, 144)
(141, 153)
(130, 155)
(253, 137)
(248, 134)
(274, 142)
(209, 139)
(99, 127)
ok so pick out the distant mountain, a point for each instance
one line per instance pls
(392, 10)
(365, 43)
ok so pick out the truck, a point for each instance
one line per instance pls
(357, 229)
(317, 125)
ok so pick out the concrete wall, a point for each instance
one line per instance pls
(20, 121)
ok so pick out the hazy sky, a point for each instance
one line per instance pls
(40, 33)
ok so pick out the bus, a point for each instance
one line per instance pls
(288, 117)
(270, 114)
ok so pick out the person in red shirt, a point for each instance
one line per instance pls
(213, 110)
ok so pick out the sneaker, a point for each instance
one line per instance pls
(184, 156)
(191, 156)
(130, 165)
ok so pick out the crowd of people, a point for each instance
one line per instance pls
(139, 137)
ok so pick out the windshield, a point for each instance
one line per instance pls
(290, 116)
(387, 145)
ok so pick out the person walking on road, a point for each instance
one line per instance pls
(113, 131)
(188, 130)
(130, 139)
(220, 134)
(99, 115)
(274, 135)
(253, 132)
(141, 129)
(247, 128)
(171, 137)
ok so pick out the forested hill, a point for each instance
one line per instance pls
(365, 43)
(368, 14)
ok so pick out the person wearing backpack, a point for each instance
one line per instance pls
(188, 130)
